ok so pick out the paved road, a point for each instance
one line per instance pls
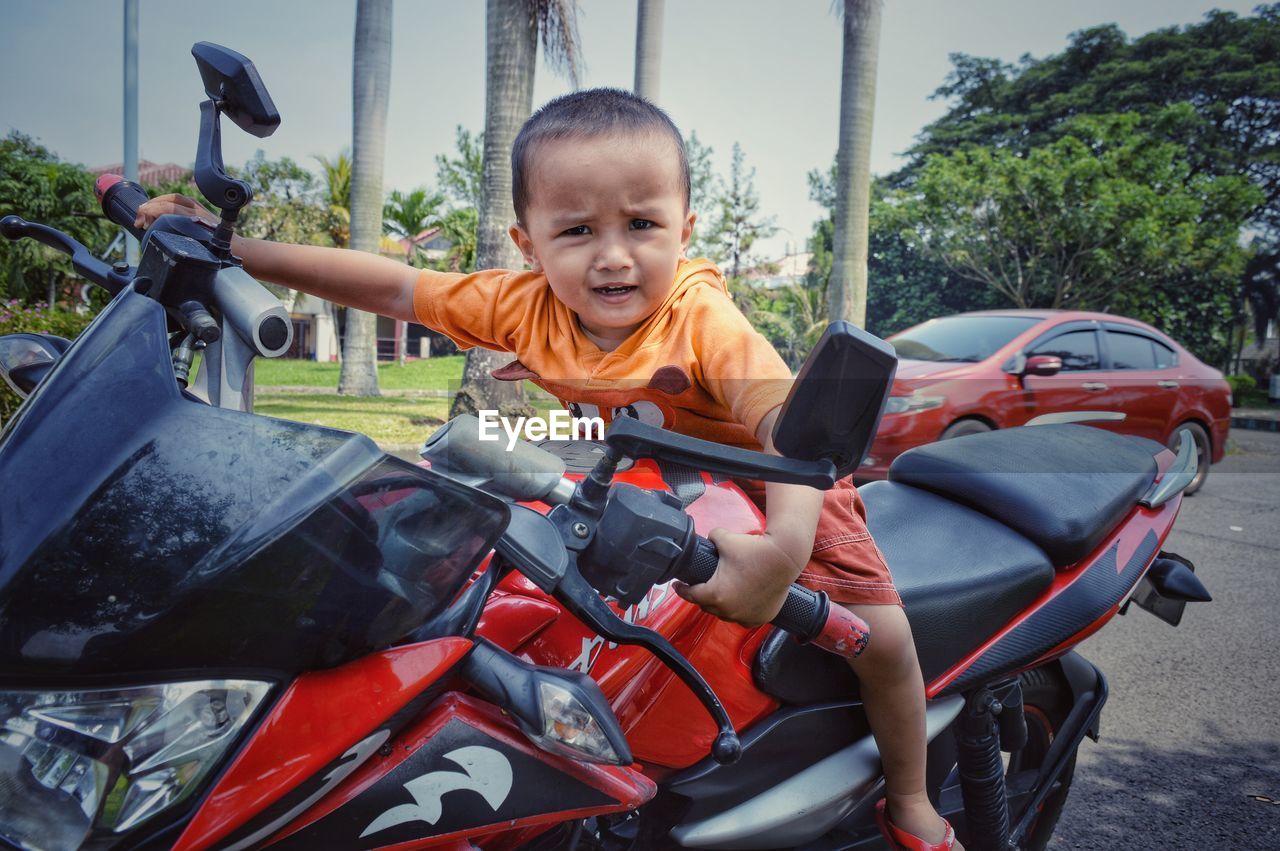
(1192, 727)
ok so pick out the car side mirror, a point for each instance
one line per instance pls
(1042, 365)
(27, 358)
(837, 400)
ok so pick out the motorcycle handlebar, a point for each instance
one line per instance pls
(120, 200)
(808, 615)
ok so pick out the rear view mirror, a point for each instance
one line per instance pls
(27, 358)
(231, 80)
(835, 404)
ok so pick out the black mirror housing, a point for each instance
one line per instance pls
(232, 81)
(27, 358)
(835, 405)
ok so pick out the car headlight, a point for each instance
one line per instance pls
(915, 402)
(74, 763)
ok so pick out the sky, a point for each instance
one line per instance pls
(763, 74)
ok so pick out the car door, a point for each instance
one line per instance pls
(1077, 387)
(1141, 377)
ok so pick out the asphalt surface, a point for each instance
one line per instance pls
(1190, 751)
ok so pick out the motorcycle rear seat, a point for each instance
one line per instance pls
(962, 576)
(1065, 487)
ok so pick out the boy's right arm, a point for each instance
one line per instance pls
(353, 278)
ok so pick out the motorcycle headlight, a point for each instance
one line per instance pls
(77, 762)
(915, 402)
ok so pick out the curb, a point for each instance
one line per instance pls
(1256, 423)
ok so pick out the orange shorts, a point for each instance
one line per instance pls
(846, 563)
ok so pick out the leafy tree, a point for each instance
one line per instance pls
(459, 228)
(37, 186)
(462, 177)
(288, 203)
(407, 214)
(704, 190)
(371, 88)
(1108, 217)
(337, 194)
(739, 222)
(1225, 69)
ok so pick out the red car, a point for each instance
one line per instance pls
(992, 369)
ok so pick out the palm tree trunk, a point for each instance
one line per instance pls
(648, 48)
(371, 87)
(847, 291)
(511, 50)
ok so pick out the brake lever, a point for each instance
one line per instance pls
(577, 595)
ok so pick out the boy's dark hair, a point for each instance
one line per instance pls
(586, 113)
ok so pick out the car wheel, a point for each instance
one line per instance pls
(960, 428)
(1204, 453)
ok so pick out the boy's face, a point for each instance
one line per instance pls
(607, 224)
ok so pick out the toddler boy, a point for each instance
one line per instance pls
(614, 320)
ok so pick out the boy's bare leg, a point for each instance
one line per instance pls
(893, 694)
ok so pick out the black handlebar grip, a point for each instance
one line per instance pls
(120, 200)
(806, 614)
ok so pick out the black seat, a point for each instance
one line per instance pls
(961, 575)
(1065, 487)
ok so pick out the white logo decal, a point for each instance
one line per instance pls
(361, 750)
(487, 773)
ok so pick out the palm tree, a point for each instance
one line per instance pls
(337, 182)
(406, 216)
(648, 48)
(371, 86)
(847, 291)
(511, 50)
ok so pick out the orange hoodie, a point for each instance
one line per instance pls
(696, 366)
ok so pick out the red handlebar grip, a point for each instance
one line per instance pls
(844, 633)
(105, 182)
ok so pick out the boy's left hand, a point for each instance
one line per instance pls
(751, 582)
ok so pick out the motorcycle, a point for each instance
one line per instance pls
(222, 630)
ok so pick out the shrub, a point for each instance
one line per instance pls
(16, 318)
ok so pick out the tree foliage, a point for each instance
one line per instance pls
(1223, 71)
(37, 186)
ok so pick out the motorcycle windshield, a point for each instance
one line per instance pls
(144, 531)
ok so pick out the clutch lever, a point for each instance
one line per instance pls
(574, 592)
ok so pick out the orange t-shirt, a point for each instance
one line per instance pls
(696, 366)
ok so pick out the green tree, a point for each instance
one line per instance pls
(288, 202)
(1108, 217)
(704, 192)
(406, 215)
(739, 222)
(37, 186)
(1225, 69)
(512, 28)
(462, 176)
(371, 88)
(337, 194)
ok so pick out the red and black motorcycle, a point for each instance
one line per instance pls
(221, 630)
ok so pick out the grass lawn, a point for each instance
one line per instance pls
(427, 374)
(392, 421)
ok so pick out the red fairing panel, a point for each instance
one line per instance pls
(321, 716)
(649, 699)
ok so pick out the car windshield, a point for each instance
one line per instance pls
(961, 339)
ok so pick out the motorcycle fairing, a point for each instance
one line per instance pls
(459, 770)
(319, 731)
(165, 535)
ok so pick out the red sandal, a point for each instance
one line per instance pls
(900, 840)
